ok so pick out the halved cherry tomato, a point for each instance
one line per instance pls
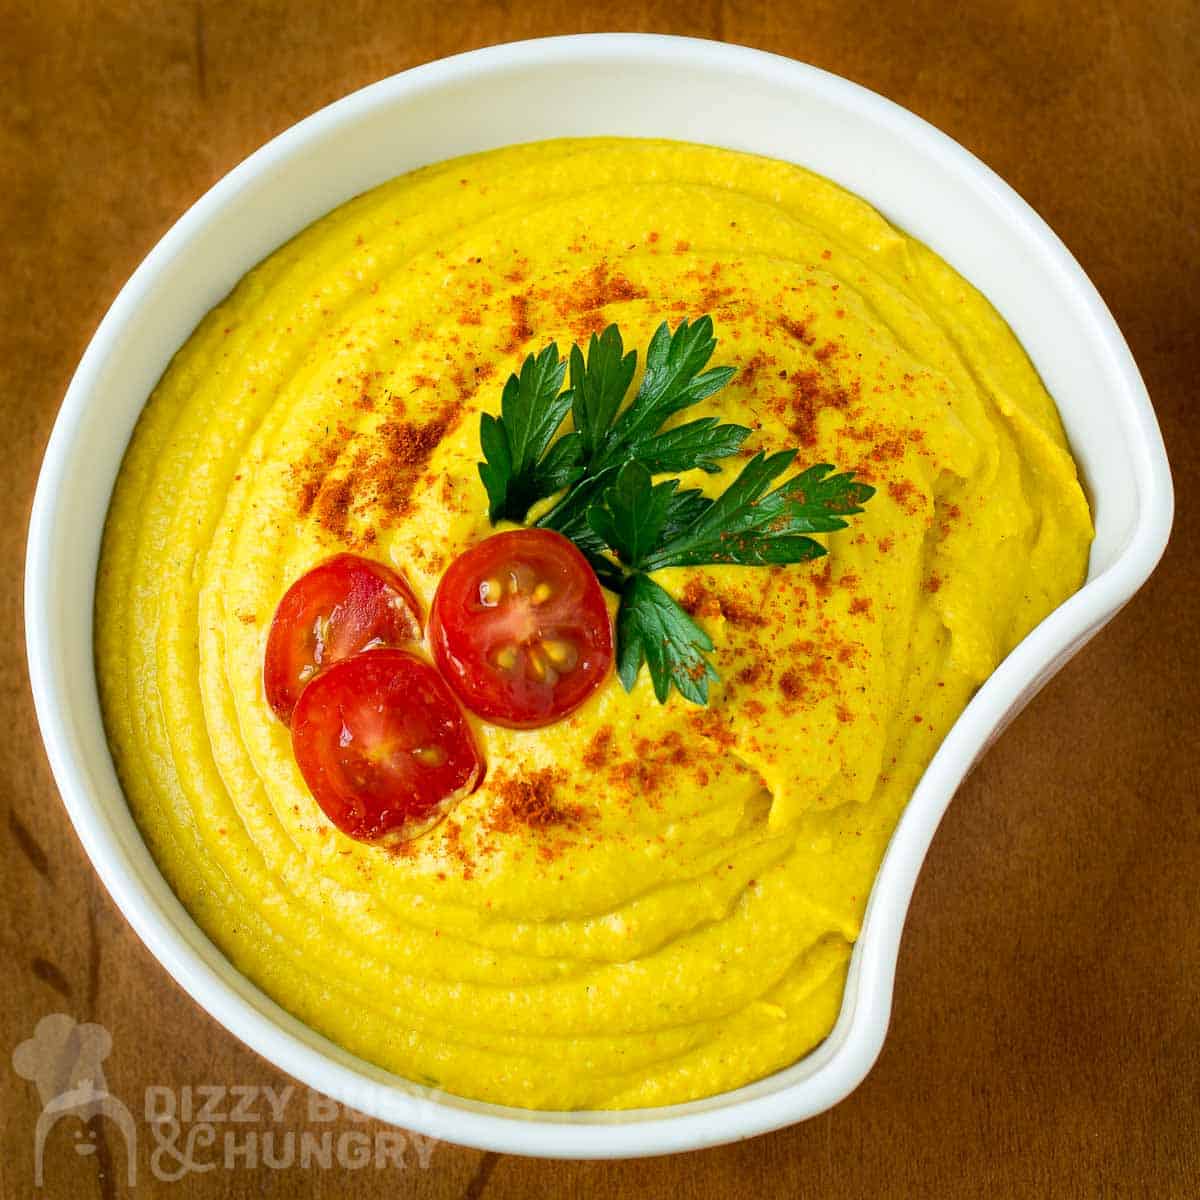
(383, 745)
(519, 628)
(345, 605)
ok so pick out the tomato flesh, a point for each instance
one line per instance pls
(383, 745)
(340, 607)
(520, 629)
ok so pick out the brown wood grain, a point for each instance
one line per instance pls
(1046, 1035)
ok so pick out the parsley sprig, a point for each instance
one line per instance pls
(674, 379)
(629, 526)
(653, 628)
(521, 465)
(650, 525)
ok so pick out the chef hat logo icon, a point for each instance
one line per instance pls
(64, 1060)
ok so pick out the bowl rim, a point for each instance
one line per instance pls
(274, 1034)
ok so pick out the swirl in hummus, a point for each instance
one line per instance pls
(643, 903)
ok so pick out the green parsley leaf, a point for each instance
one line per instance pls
(598, 386)
(633, 513)
(675, 379)
(651, 526)
(685, 509)
(518, 472)
(696, 445)
(744, 526)
(653, 628)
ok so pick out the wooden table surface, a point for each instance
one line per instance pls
(1046, 1034)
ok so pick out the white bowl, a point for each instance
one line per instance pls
(608, 84)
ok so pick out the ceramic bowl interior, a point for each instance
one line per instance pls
(608, 84)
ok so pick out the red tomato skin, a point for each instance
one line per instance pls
(375, 706)
(463, 631)
(366, 603)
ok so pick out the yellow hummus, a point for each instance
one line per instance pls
(642, 904)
